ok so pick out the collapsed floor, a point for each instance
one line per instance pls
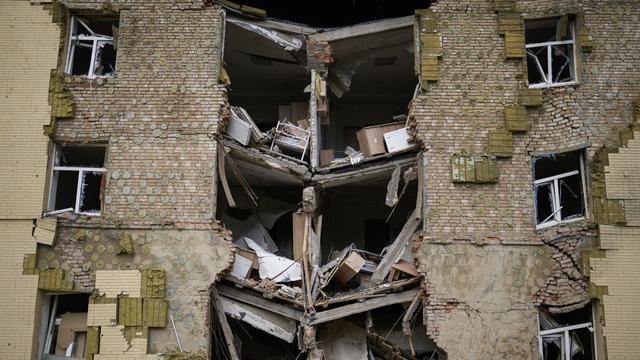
(315, 253)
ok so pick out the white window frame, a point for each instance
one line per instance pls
(563, 332)
(75, 40)
(556, 215)
(81, 170)
(548, 77)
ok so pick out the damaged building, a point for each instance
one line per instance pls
(207, 179)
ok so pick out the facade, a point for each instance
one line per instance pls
(192, 179)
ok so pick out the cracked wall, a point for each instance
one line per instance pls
(458, 113)
(158, 116)
(486, 268)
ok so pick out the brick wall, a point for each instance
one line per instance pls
(158, 114)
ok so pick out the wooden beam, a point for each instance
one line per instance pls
(257, 301)
(356, 308)
(223, 177)
(396, 249)
(226, 330)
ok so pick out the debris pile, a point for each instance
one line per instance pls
(290, 296)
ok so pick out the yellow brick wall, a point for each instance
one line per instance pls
(28, 51)
(17, 292)
(619, 270)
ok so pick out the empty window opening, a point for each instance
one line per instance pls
(65, 329)
(567, 336)
(559, 188)
(77, 179)
(336, 13)
(550, 47)
(92, 46)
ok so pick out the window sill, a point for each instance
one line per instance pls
(547, 86)
(66, 214)
(549, 224)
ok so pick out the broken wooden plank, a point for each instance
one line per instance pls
(406, 319)
(226, 329)
(356, 308)
(395, 250)
(247, 298)
(223, 177)
(381, 290)
(273, 324)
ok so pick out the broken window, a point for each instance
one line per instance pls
(567, 336)
(65, 332)
(77, 179)
(558, 188)
(92, 47)
(550, 47)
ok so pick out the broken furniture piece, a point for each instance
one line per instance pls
(291, 137)
(242, 128)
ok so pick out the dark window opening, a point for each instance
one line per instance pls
(65, 191)
(544, 203)
(90, 193)
(568, 336)
(92, 46)
(77, 179)
(66, 328)
(550, 51)
(558, 188)
(336, 13)
(86, 156)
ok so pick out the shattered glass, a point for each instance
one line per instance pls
(571, 197)
(90, 192)
(544, 202)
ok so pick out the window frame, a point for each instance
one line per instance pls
(556, 216)
(96, 39)
(549, 45)
(81, 170)
(563, 332)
